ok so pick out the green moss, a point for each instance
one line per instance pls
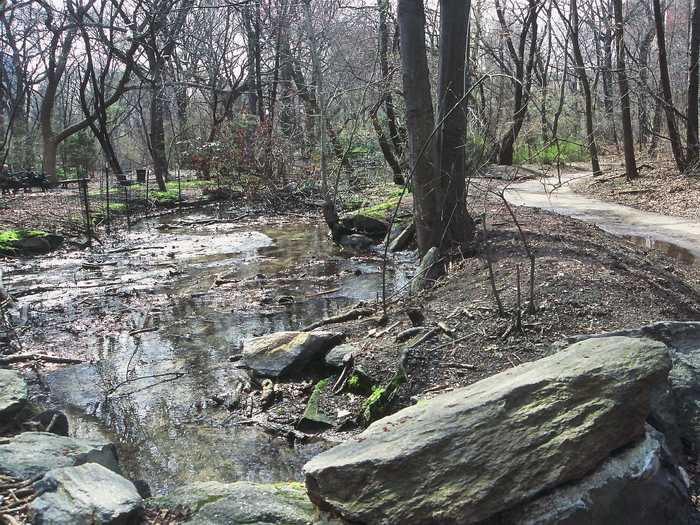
(312, 412)
(164, 196)
(9, 237)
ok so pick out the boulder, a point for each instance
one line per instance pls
(88, 494)
(243, 502)
(284, 354)
(34, 453)
(13, 394)
(37, 245)
(676, 405)
(464, 456)
(335, 357)
(639, 485)
(404, 239)
(363, 224)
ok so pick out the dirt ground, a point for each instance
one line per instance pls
(586, 281)
(660, 188)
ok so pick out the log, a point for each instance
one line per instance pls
(350, 315)
(18, 358)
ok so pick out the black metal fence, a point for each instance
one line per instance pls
(113, 202)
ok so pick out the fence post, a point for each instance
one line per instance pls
(126, 208)
(86, 204)
(107, 197)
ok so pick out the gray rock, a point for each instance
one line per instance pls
(675, 406)
(404, 239)
(85, 495)
(427, 270)
(464, 456)
(284, 354)
(34, 453)
(640, 485)
(37, 245)
(334, 358)
(13, 394)
(215, 503)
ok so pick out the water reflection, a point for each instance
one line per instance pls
(160, 382)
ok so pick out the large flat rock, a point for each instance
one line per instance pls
(85, 495)
(13, 393)
(215, 503)
(676, 406)
(286, 353)
(34, 453)
(467, 455)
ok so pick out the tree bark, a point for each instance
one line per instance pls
(627, 133)
(665, 81)
(457, 225)
(523, 77)
(585, 84)
(419, 122)
(692, 138)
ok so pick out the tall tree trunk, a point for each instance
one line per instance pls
(642, 93)
(523, 78)
(608, 84)
(692, 138)
(49, 155)
(394, 133)
(665, 81)
(249, 26)
(419, 122)
(585, 84)
(627, 134)
(457, 225)
(157, 130)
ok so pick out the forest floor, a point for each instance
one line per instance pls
(659, 188)
(586, 281)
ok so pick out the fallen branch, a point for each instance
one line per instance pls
(350, 315)
(18, 358)
(143, 330)
(325, 292)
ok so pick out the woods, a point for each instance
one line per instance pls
(165, 84)
(358, 261)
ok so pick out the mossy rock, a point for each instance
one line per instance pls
(242, 502)
(28, 242)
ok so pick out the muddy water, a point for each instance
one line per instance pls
(152, 393)
(677, 237)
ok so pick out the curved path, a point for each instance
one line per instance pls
(676, 236)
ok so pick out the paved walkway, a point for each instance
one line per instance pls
(676, 236)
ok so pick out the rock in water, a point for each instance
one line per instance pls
(32, 453)
(640, 485)
(13, 394)
(363, 224)
(284, 354)
(242, 503)
(464, 456)
(86, 495)
(404, 239)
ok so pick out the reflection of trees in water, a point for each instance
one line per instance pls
(672, 250)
